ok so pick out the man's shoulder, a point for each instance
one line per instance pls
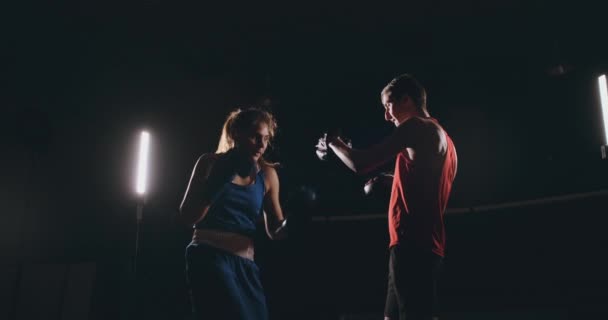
(428, 133)
(422, 125)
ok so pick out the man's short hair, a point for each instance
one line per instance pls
(404, 85)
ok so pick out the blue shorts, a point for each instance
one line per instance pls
(223, 285)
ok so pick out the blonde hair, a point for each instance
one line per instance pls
(240, 120)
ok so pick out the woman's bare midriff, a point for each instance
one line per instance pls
(234, 243)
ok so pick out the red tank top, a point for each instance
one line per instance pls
(419, 197)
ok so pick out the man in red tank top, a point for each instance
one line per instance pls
(425, 167)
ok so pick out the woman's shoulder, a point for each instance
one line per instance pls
(212, 156)
(267, 168)
(207, 160)
(269, 175)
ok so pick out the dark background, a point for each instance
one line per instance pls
(513, 82)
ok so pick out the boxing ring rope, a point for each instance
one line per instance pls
(476, 209)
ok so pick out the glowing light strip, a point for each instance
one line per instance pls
(604, 100)
(142, 166)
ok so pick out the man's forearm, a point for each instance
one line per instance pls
(346, 154)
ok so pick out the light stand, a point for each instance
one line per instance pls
(139, 216)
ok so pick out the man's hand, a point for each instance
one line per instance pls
(322, 148)
(323, 145)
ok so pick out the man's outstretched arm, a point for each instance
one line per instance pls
(407, 135)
